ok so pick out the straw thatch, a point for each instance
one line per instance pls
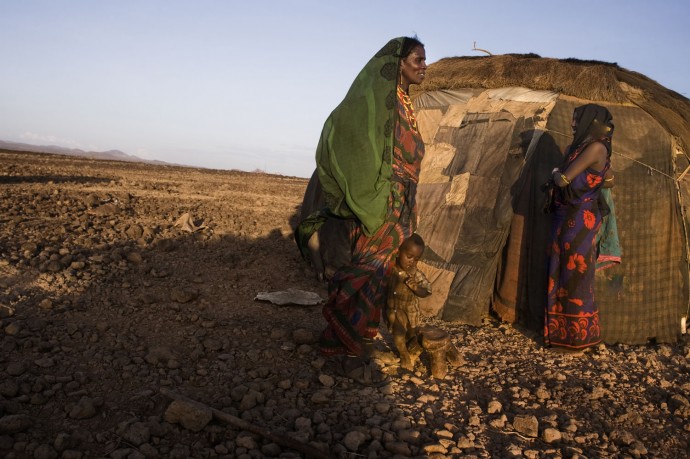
(589, 80)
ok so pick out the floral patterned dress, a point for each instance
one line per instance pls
(572, 317)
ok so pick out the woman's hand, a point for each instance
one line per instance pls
(559, 178)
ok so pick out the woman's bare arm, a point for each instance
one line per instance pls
(593, 157)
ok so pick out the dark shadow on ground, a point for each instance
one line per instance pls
(50, 179)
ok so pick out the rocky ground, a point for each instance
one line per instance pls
(110, 307)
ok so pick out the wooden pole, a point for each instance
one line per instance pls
(234, 421)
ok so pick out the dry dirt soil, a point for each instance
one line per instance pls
(109, 306)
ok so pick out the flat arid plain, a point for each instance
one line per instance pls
(130, 328)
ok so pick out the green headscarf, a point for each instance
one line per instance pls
(354, 153)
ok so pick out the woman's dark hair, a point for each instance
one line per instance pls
(409, 43)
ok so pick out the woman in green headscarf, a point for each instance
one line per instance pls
(368, 160)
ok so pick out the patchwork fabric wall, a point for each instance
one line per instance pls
(476, 149)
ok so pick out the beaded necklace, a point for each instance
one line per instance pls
(408, 108)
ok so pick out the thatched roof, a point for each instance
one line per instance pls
(591, 80)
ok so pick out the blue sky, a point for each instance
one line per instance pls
(248, 84)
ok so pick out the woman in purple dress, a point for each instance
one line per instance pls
(572, 317)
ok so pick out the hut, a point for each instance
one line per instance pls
(494, 128)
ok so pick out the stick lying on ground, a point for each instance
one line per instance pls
(234, 421)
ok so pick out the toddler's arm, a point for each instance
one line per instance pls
(419, 284)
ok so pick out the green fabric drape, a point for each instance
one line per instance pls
(608, 244)
(353, 157)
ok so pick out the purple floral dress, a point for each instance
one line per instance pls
(572, 317)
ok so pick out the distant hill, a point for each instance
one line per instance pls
(116, 155)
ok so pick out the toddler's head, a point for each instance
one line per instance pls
(410, 252)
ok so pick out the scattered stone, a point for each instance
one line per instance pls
(322, 396)
(77, 265)
(13, 329)
(354, 439)
(542, 393)
(181, 295)
(91, 200)
(551, 435)
(213, 344)
(134, 231)
(494, 407)
(526, 424)
(84, 409)
(246, 441)
(135, 433)
(9, 388)
(398, 447)
(464, 442)
(159, 355)
(15, 369)
(135, 257)
(327, 380)
(45, 452)
(106, 210)
(622, 437)
(45, 362)
(303, 336)
(500, 422)
(6, 311)
(190, 416)
(14, 423)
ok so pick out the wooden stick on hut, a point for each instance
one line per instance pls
(474, 44)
